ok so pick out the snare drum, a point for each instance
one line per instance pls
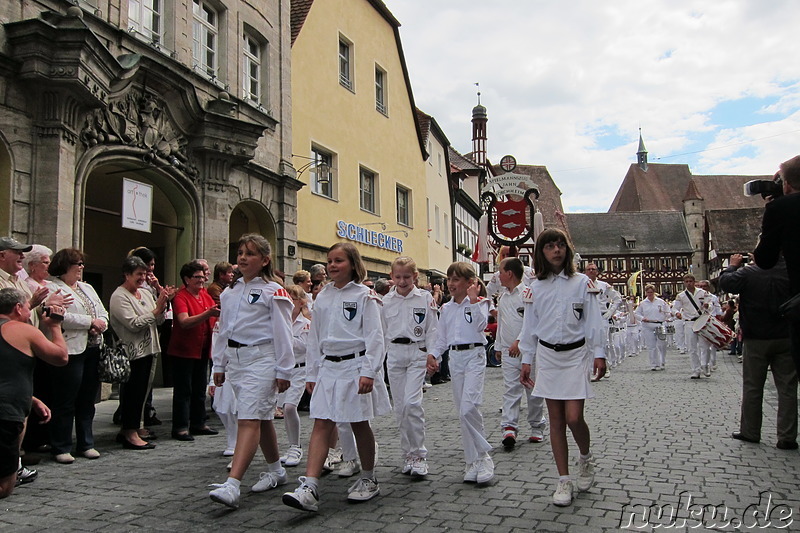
(660, 332)
(713, 330)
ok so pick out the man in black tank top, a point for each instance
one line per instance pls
(20, 342)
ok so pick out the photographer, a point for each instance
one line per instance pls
(766, 345)
(779, 233)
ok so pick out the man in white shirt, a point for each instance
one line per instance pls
(688, 306)
(653, 313)
(609, 301)
(510, 311)
(714, 309)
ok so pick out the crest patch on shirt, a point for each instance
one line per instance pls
(521, 311)
(419, 315)
(349, 309)
(418, 331)
(577, 310)
(254, 296)
(468, 314)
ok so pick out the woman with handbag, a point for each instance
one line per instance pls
(135, 316)
(74, 387)
(195, 314)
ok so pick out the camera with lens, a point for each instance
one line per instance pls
(48, 312)
(765, 188)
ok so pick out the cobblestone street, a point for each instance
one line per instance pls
(661, 441)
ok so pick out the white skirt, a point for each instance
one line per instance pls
(563, 375)
(293, 394)
(251, 372)
(225, 399)
(336, 395)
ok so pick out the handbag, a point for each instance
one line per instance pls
(790, 309)
(114, 365)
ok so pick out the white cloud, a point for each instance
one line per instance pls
(562, 81)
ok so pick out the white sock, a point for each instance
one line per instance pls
(312, 482)
(368, 474)
(584, 458)
(275, 467)
(564, 478)
(233, 481)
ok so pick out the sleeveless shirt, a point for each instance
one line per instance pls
(16, 381)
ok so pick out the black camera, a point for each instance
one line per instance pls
(765, 188)
(50, 314)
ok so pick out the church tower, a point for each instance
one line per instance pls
(641, 154)
(479, 120)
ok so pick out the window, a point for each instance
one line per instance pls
(322, 172)
(205, 29)
(366, 185)
(446, 231)
(144, 17)
(380, 90)
(345, 63)
(403, 206)
(635, 265)
(428, 210)
(251, 74)
(437, 233)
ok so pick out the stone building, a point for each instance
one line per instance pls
(112, 109)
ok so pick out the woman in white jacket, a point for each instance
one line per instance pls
(74, 386)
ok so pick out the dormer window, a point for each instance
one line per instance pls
(630, 242)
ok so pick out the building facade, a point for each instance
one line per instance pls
(110, 109)
(356, 138)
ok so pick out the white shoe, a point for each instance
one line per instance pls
(537, 435)
(64, 458)
(226, 494)
(349, 468)
(406, 466)
(563, 494)
(230, 465)
(91, 453)
(303, 497)
(706, 371)
(270, 480)
(485, 470)
(364, 489)
(471, 473)
(228, 453)
(419, 467)
(695, 375)
(713, 368)
(586, 474)
(334, 457)
(293, 455)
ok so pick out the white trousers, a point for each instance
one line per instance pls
(514, 392)
(347, 441)
(632, 339)
(467, 372)
(697, 347)
(680, 335)
(656, 348)
(405, 368)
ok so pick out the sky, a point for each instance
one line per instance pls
(713, 84)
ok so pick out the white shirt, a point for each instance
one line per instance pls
(510, 311)
(685, 307)
(561, 310)
(655, 311)
(413, 316)
(608, 297)
(346, 321)
(255, 313)
(300, 328)
(461, 323)
(494, 286)
(712, 304)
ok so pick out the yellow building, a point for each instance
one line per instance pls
(355, 135)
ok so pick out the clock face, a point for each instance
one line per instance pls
(508, 163)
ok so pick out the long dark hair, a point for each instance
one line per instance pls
(540, 264)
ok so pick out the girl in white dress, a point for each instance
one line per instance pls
(563, 333)
(301, 325)
(344, 373)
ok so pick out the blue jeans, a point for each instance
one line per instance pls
(74, 391)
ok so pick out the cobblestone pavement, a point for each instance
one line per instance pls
(661, 440)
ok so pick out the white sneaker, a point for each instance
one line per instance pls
(706, 371)
(563, 494)
(226, 494)
(228, 452)
(362, 490)
(485, 470)
(406, 466)
(349, 468)
(586, 474)
(293, 455)
(334, 457)
(230, 465)
(303, 497)
(695, 375)
(270, 480)
(419, 467)
(714, 368)
(471, 473)
(65, 458)
(537, 435)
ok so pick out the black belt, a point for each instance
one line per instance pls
(690, 319)
(402, 340)
(340, 358)
(563, 347)
(234, 344)
(299, 365)
(654, 322)
(469, 346)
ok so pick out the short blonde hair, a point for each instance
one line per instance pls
(405, 262)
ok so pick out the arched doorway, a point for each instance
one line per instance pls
(107, 243)
(250, 217)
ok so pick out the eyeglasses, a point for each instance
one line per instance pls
(201, 276)
(79, 263)
(554, 245)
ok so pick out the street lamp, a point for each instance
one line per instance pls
(322, 170)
